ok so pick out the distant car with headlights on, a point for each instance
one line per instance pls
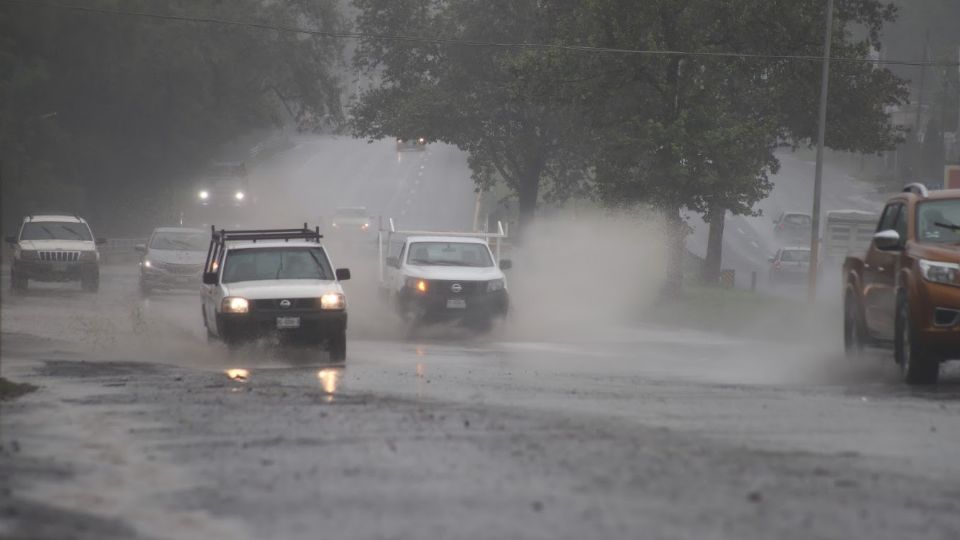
(419, 144)
(224, 185)
(172, 259)
(274, 283)
(351, 220)
(435, 278)
(55, 248)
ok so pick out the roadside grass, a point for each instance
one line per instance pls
(744, 313)
(11, 390)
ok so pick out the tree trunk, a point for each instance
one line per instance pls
(677, 236)
(716, 216)
(527, 195)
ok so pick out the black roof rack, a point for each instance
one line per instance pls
(253, 235)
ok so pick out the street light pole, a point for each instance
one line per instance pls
(818, 179)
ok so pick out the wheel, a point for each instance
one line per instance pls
(853, 328)
(916, 365)
(90, 282)
(337, 346)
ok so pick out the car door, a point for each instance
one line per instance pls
(879, 273)
(212, 294)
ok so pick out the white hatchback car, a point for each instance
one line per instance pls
(274, 282)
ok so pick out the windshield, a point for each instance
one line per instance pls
(797, 219)
(938, 222)
(55, 230)
(449, 254)
(180, 241)
(276, 263)
(795, 256)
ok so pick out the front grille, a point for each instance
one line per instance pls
(59, 256)
(467, 288)
(180, 269)
(273, 304)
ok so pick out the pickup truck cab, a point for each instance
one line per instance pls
(904, 292)
(277, 282)
(444, 278)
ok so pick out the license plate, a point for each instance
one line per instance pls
(59, 267)
(456, 303)
(288, 322)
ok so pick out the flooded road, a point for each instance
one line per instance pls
(143, 428)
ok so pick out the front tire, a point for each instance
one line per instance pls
(917, 365)
(18, 283)
(337, 346)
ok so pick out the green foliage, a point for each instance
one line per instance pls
(104, 114)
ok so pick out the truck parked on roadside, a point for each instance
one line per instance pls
(846, 232)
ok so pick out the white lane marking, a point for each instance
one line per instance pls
(739, 230)
(755, 244)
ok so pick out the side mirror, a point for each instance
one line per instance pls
(506, 264)
(209, 278)
(888, 240)
(343, 274)
(101, 241)
(142, 248)
(393, 262)
(10, 239)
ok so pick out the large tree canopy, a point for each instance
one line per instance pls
(103, 112)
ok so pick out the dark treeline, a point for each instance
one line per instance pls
(108, 115)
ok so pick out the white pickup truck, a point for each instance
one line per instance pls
(274, 282)
(432, 277)
(845, 232)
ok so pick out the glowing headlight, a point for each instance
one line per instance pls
(418, 284)
(204, 195)
(235, 304)
(239, 195)
(332, 301)
(399, 141)
(365, 226)
(495, 285)
(940, 272)
(147, 263)
(421, 140)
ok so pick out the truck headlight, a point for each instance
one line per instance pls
(204, 195)
(419, 285)
(147, 263)
(27, 255)
(332, 301)
(239, 195)
(235, 304)
(940, 272)
(495, 285)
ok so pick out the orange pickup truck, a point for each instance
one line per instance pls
(904, 293)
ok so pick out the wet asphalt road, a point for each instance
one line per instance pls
(143, 429)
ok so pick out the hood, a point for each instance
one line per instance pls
(454, 273)
(949, 253)
(281, 288)
(58, 245)
(170, 256)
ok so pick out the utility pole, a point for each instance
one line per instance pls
(818, 179)
(917, 158)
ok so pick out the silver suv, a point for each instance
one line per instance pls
(55, 248)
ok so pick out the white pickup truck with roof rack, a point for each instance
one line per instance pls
(275, 282)
(442, 276)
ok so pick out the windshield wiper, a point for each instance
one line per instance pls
(73, 232)
(280, 269)
(49, 232)
(950, 226)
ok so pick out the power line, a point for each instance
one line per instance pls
(463, 42)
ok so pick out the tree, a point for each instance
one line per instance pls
(141, 102)
(698, 132)
(507, 107)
